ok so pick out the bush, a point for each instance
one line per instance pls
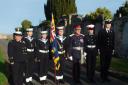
(3, 78)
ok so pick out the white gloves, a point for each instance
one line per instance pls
(85, 54)
(11, 63)
(70, 58)
(11, 60)
(113, 52)
(99, 51)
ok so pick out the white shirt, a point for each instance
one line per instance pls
(29, 38)
(107, 30)
(44, 40)
(61, 38)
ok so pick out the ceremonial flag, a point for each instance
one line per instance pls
(53, 42)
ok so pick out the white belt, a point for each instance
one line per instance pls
(91, 46)
(30, 50)
(77, 48)
(61, 52)
(43, 51)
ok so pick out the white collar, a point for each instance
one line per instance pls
(61, 38)
(29, 38)
(107, 29)
(44, 40)
(91, 34)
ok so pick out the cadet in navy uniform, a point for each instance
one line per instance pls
(106, 47)
(90, 47)
(42, 48)
(30, 44)
(17, 57)
(76, 45)
(61, 39)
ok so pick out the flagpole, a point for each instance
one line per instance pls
(53, 57)
(54, 70)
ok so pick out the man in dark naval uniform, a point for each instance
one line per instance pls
(90, 47)
(30, 44)
(106, 47)
(42, 51)
(76, 45)
(61, 40)
(17, 57)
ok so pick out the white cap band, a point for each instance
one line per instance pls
(90, 26)
(43, 32)
(29, 29)
(60, 28)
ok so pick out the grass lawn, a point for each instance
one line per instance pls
(117, 64)
(120, 64)
(3, 79)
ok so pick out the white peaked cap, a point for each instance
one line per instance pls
(60, 27)
(18, 33)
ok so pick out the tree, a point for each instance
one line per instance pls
(123, 10)
(25, 24)
(45, 25)
(59, 8)
(99, 14)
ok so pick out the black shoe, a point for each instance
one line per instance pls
(91, 81)
(61, 81)
(108, 80)
(78, 82)
(57, 82)
(29, 83)
(44, 82)
(103, 80)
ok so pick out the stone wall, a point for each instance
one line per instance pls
(125, 40)
(120, 26)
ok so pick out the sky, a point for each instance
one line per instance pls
(13, 12)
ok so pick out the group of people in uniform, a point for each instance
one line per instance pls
(24, 51)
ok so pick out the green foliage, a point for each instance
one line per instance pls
(59, 8)
(106, 13)
(120, 64)
(3, 79)
(45, 24)
(26, 24)
(99, 13)
(117, 64)
(1, 56)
